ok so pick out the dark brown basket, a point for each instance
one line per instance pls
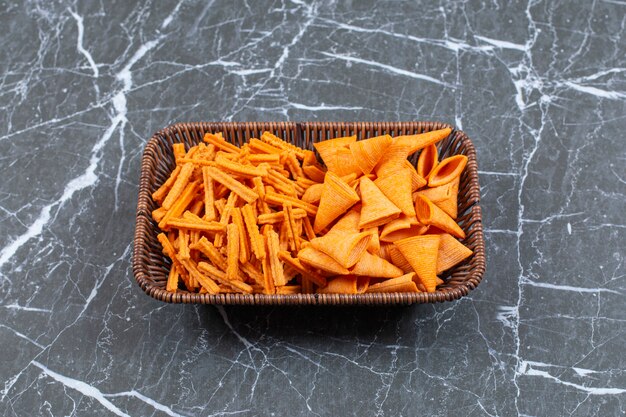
(151, 267)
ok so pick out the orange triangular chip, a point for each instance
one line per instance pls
(349, 222)
(398, 259)
(384, 253)
(393, 159)
(319, 260)
(417, 181)
(401, 284)
(345, 163)
(377, 209)
(451, 252)
(345, 248)
(314, 172)
(402, 222)
(398, 190)
(374, 266)
(328, 149)
(417, 142)
(374, 245)
(313, 194)
(428, 160)
(346, 284)
(444, 197)
(368, 152)
(337, 198)
(448, 170)
(421, 253)
(429, 214)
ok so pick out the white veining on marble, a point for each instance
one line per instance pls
(388, 68)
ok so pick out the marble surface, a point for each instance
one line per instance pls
(541, 89)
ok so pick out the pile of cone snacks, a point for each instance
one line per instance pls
(269, 218)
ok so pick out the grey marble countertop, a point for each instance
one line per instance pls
(540, 87)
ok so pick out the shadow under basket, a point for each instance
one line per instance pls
(151, 267)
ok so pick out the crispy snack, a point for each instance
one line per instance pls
(420, 141)
(451, 252)
(232, 248)
(374, 266)
(348, 284)
(344, 248)
(398, 190)
(421, 253)
(417, 181)
(232, 184)
(447, 170)
(366, 153)
(268, 218)
(445, 197)
(427, 161)
(319, 260)
(401, 284)
(337, 197)
(377, 209)
(430, 214)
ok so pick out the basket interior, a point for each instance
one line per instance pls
(151, 267)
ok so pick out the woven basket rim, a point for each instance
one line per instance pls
(298, 129)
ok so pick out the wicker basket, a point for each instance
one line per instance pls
(151, 267)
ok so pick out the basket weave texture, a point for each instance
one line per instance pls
(151, 267)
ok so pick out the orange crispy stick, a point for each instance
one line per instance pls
(224, 219)
(273, 247)
(285, 188)
(196, 161)
(179, 186)
(183, 242)
(289, 289)
(220, 143)
(209, 196)
(271, 158)
(244, 243)
(232, 245)
(181, 204)
(278, 200)
(292, 229)
(196, 208)
(277, 217)
(206, 282)
(210, 252)
(259, 187)
(308, 228)
(258, 146)
(313, 276)
(157, 215)
(179, 150)
(172, 280)
(169, 251)
(161, 193)
(220, 276)
(258, 248)
(293, 165)
(200, 226)
(266, 262)
(275, 141)
(232, 184)
(251, 271)
(248, 171)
